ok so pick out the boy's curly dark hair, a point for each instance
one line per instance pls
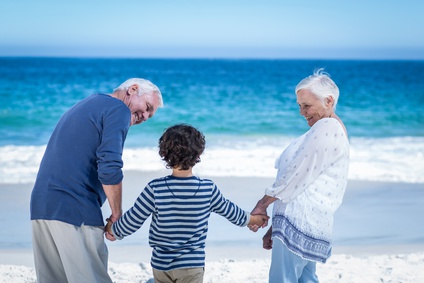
(180, 146)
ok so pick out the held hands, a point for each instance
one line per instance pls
(260, 209)
(258, 220)
(257, 211)
(108, 230)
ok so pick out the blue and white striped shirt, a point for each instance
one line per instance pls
(180, 209)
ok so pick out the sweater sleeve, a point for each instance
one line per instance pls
(115, 126)
(320, 147)
(228, 209)
(134, 218)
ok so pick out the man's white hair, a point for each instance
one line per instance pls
(146, 87)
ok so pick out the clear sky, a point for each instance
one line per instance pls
(331, 29)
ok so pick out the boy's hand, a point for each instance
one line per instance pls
(258, 220)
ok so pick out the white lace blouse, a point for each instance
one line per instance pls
(310, 184)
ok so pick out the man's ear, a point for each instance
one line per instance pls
(133, 89)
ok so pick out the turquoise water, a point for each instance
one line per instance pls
(242, 106)
(221, 97)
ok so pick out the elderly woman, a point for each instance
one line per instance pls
(309, 187)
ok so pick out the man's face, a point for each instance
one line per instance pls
(142, 107)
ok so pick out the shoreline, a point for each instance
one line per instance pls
(141, 253)
(375, 218)
(135, 254)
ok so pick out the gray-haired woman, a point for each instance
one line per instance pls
(309, 187)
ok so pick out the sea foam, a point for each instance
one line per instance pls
(398, 159)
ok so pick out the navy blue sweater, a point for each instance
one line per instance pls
(84, 152)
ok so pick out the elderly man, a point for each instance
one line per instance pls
(81, 167)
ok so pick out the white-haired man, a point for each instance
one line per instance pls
(80, 169)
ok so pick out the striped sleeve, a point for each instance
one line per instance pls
(134, 218)
(227, 209)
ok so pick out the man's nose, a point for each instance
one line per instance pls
(145, 116)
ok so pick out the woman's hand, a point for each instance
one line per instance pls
(260, 208)
(267, 240)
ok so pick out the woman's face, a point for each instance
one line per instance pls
(311, 107)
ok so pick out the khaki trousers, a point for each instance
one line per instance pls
(67, 253)
(182, 275)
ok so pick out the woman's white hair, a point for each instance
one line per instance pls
(146, 87)
(320, 85)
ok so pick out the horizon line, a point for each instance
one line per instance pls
(253, 58)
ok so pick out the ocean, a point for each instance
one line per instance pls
(246, 109)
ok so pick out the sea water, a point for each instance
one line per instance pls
(246, 109)
(248, 112)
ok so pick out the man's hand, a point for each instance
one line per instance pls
(108, 230)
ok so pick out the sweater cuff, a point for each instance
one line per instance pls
(114, 233)
(247, 219)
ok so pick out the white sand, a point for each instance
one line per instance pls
(340, 268)
(385, 253)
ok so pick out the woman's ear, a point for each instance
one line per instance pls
(329, 101)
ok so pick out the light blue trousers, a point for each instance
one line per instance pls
(287, 267)
(64, 253)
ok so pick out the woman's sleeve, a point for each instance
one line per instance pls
(321, 147)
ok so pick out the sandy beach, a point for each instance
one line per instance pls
(377, 236)
(340, 268)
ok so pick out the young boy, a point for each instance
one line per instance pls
(180, 205)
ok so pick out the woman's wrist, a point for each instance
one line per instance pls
(265, 202)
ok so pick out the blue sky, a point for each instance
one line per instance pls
(347, 29)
